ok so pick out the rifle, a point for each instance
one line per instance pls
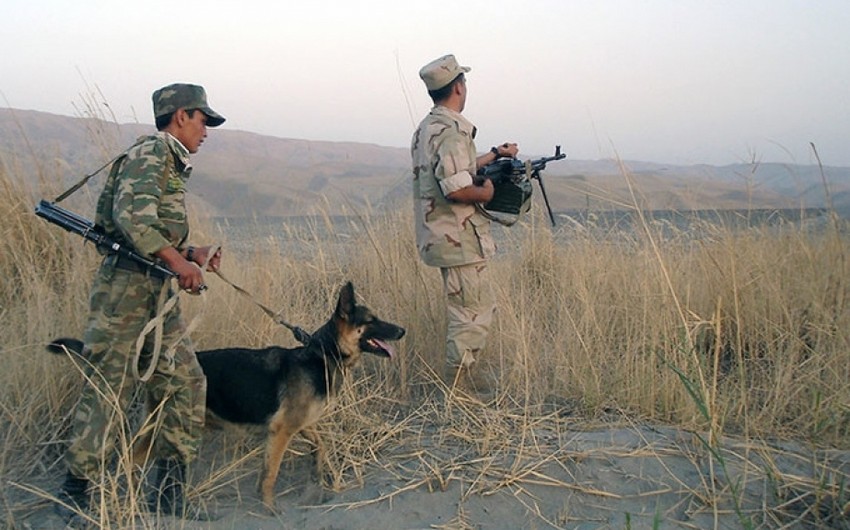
(94, 233)
(512, 182)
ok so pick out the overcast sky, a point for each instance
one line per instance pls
(681, 81)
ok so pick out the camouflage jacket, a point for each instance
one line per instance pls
(448, 233)
(143, 199)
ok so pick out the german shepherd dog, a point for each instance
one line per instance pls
(286, 389)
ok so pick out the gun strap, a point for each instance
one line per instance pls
(85, 179)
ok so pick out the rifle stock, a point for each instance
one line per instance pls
(79, 225)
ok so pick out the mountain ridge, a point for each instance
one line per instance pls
(241, 173)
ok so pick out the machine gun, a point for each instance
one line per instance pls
(94, 233)
(512, 184)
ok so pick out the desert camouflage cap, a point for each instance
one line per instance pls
(440, 72)
(184, 96)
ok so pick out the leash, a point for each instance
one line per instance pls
(164, 305)
(155, 325)
(300, 335)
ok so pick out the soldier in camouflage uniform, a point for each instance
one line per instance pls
(451, 231)
(143, 207)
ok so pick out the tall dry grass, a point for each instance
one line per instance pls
(717, 330)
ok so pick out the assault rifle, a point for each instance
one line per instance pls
(512, 182)
(94, 233)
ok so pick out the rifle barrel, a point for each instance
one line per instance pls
(90, 231)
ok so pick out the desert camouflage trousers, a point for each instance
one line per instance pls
(470, 308)
(121, 304)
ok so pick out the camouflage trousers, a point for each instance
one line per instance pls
(121, 304)
(470, 308)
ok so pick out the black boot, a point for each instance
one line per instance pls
(168, 496)
(73, 498)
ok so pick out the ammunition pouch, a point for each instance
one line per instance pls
(511, 199)
(510, 196)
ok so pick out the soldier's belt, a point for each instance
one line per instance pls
(126, 264)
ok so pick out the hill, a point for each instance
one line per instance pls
(240, 173)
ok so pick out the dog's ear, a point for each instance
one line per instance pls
(345, 304)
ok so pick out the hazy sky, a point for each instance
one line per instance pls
(668, 81)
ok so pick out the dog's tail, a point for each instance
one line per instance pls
(66, 345)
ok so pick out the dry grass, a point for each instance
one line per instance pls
(736, 336)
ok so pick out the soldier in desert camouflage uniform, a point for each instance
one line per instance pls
(143, 206)
(451, 232)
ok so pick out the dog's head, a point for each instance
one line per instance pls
(360, 330)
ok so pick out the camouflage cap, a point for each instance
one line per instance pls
(184, 96)
(440, 72)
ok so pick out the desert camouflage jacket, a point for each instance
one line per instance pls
(143, 199)
(448, 233)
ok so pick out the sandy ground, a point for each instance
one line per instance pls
(474, 466)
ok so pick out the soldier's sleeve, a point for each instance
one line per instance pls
(452, 171)
(137, 197)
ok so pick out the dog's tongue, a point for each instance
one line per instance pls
(386, 347)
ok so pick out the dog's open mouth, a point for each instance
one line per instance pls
(379, 347)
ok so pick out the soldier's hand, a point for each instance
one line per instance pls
(190, 277)
(508, 149)
(202, 255)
